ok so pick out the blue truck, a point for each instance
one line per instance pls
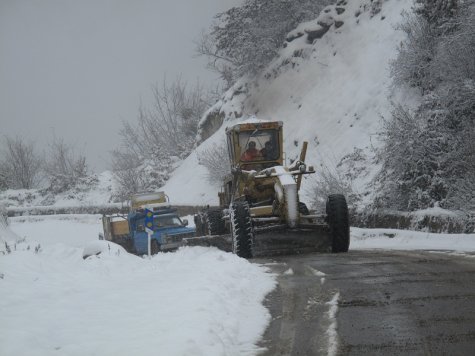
(169, 229)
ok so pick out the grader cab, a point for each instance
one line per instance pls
(260, 209)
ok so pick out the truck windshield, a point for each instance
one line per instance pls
(166, 221)
(262, 145)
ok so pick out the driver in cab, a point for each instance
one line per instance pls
(252, 153)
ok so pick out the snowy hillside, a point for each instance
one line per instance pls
(330, 91)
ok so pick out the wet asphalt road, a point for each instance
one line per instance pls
(384, 303)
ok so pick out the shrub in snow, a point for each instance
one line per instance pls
(425, 164)
(216, 161)
(332, 180)
(412, 65)
(437, 11)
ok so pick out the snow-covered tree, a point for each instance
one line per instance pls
(64, 167)
(164, 134)
(216, 160)
(246, 38)
(20, 165)
(413, 64)
(428, 156)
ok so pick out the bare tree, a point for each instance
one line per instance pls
(164, 133)
(129, 173)
(169, 126)
(64, 167)
(216, 161)
(21, 165)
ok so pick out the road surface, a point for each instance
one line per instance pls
(372, 303)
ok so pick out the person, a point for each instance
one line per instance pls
(268, 151)
(251, 153)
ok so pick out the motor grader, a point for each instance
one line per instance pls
(260, 211)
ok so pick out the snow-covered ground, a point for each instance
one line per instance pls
(197, 301)
(392, 239)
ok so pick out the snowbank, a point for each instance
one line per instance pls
(410, 240)
(7, 236)
(197, 301)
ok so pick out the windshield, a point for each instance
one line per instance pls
(166, 221)
(262, 145)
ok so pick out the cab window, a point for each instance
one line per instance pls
(166, 221)
(262, 145)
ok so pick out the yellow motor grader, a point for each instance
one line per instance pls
(260, 211)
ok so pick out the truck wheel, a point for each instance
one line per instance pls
(215, 222)
(338, 221)
(241, 229)
(154, 247)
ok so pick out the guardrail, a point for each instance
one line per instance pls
(104, 209)
(451, 222)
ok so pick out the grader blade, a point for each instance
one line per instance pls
(286, 241)
(223, 242)
(276, 240)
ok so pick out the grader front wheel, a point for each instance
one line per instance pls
(338, 220)
(241, 229)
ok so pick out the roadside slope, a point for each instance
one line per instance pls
(331, 92)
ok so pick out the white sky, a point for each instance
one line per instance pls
(76, 69)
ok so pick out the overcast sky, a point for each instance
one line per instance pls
(77, 68)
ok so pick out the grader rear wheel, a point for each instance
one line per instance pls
(241, 229)
(215, 222)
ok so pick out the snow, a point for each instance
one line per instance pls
(332, 333)
(197, 301)
(392, 239)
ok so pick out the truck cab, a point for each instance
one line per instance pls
(168, 231)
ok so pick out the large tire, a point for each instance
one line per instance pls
(241, 229)
(215, 222)
(154, 247)
(338, 221)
